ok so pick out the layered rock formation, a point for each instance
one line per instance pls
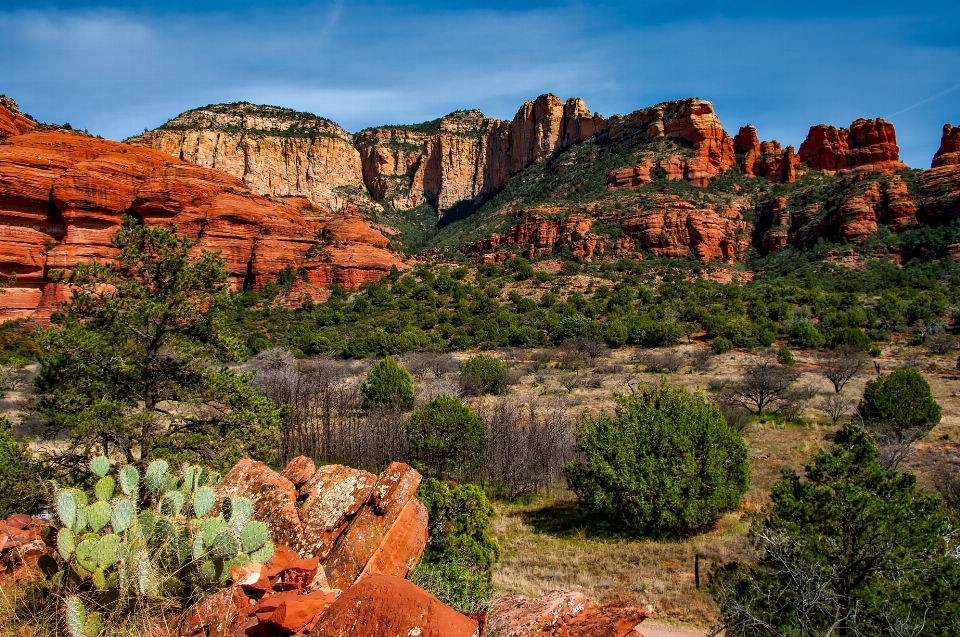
(275, 151)
(949, 152)
(12, 122)
(62, 196)
(765, 159)
(867, 146)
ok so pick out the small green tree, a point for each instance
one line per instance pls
(457, 564)
(388, 385)
(136, 363)
(899, 403)
(850, 549)
(666, 462)
(490, 373)
(447, 439)
(21, 490)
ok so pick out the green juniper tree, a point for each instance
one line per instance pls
(852, 548)
(134, 364)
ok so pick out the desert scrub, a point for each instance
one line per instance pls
(137, 544)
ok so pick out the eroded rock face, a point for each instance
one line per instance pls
(765, 159)
(62, 196)
(949, 152)
(562, 614)
(867, 146)
(274, 151)
(381, 605)
(12, 122)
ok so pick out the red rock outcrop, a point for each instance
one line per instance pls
(21, 545)
(765, 159)
(12, 122)
(949, 152)
(562, 614)
(380, 605)
(62, 196)
(867, 146)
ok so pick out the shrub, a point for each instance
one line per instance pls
(851, 546)
(447, 439)
(457, 562)
(459, 525)
(570, 268)
(666, 462)
(785, 356)
(900, 403)
(490, 372)
(805, 335)
(722, 345)
(849, 337)
(388, 385)
(20, 487)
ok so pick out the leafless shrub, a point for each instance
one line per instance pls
(527, 445)
(836, 406)
(946, 480)
(795, 400)
(615, 369)
(587, 348)
(419, 364)
(541, 359)
(841, 365)
(594, 381)
(764, 386)
(736, 416)
(514, 376)
(571, 360)
(668, 361)
(470, 385)
(702, 360)
(441, 364)
(433, 387)
(572, 381)
(12, 377)
(940, 343)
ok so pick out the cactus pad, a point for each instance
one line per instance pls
(156, 475)
(76, 617)
(129, 479)
(99, 579)
(164, 531)
(203, 499)
(264, 553)
(108, 549)
(146, 579)
(87, 554)
(81, 521)
(106, 486)
(100, 466)
(122, 516)
(225, 545)
(241, 510)
(253, 535)
(66, 543)
(196, 551)
(209, 529)
(208, 573)
(188, 478)
(94, 624)
(171, 503)
(67, 508)
(98, 515)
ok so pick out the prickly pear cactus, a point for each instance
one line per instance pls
(127, 540)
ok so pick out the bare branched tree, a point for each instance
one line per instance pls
(940, 343)
(836, 406)
(764, 386)
(946, 479)
(667, 360)
(587, 348)
(841, 365)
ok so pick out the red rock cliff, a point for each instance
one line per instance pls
(868, 145)
(62, 196)
(949, 152)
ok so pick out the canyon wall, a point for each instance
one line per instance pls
(62, 196)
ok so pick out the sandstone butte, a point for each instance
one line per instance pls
(949, 152)
(62, 195)
(353, 582)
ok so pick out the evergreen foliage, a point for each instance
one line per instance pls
(489, 371)
(900, 403)
(665, 462)
(447, 439)
(388, 385)
(851, 548)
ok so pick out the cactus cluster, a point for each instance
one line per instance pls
(155, 536)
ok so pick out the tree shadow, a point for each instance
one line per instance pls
(566, 519)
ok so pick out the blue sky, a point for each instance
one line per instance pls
(116, 68)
